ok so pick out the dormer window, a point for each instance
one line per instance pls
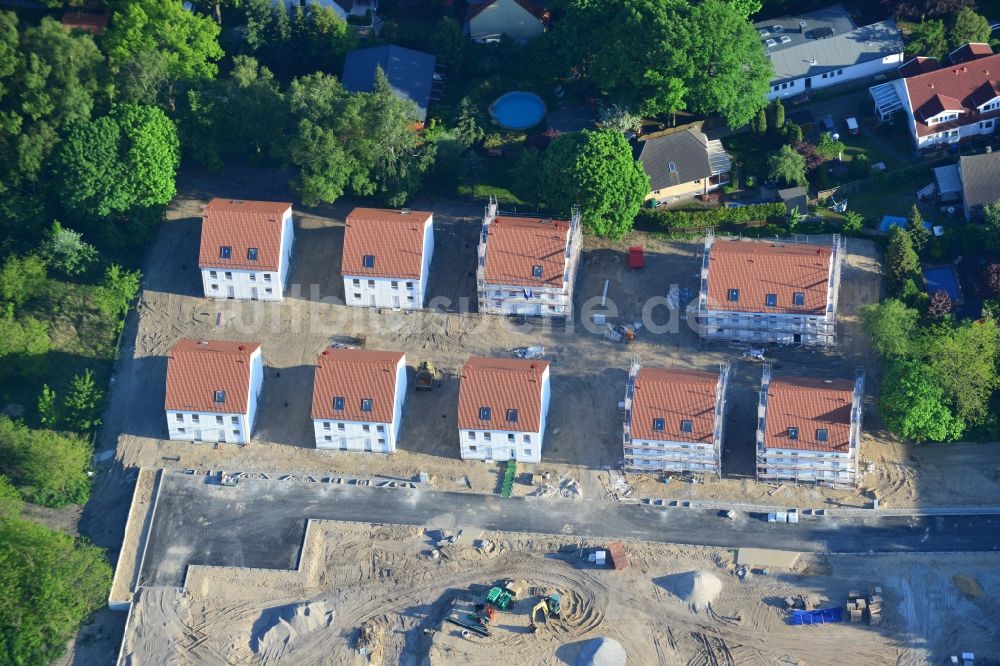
(799, 298)
(822, 434)
(338, 404)
(368, 261)
(793, 433)
(226, 252)
(658, 425)
(771, 300)
(252, 254)
(366, 404)
(485, 413)
(671, 167)
(536, 271)
(220, 396)
(512, 415)
(733, 295)
(687, 426)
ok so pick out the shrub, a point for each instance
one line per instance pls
(852, 222)
(694, 219)
(47, 467)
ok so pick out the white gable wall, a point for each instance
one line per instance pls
(393, 292)
(253, 285)
(520, 445)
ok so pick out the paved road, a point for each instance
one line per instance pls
(262, 523)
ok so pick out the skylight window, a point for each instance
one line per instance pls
(366, 404)
(536, 271)
(734, 295)
(793, 433)
(687, 426)
(220, 396)
(226, 252)
(799, 298)
(658, 425)
(671, 167)
(822, 434)
(338, 404)
(512, 415)
(770, 300)
(368, 261)
(252, 254)
(485, 413)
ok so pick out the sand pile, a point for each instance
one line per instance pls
(602, 652)
(278, 627)
(698, 588)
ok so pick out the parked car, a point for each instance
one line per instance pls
(853, 129)
(828, 124)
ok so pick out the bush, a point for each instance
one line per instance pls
(47, 467)
(656, 220)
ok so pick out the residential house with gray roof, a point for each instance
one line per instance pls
(410, 73)
(980, 176)
(683, 164)
(825, 48)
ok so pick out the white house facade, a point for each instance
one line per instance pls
(766, 292)
(387, 258)
(825, 48)
(809, 430)
(246, 249)
(212, 391)
(674, 420)
(503, 409)
(358, 398)
(527, 266)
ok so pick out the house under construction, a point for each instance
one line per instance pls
(527, 265)
(808, 429)
(753, 291)
(674, 419)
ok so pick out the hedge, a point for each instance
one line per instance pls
(654, 220)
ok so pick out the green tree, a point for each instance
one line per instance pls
(902, 262)
(321, 38)
(22, 279)
(963, 361)
(47, 467)
(143, 79)
(787, 166)
(969, 27)
(777, 115)
(853, 222)
(189, 42)
(64, 250)
(829, 148)
(48, 407)
(745, 7)
(991, 215)
(619, 118)
(11, 503)
(919, 234)
(468, 126)
(760, 123)
(116, 291)
(83, 403)
(890, 326)
(914, 406)
(596, 170)
(928, 38)
(24, 344)
(448, 43)
(322, 110)
(50, 583)
(120, 161)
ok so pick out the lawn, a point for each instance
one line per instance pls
(894, 198)
(496, 179)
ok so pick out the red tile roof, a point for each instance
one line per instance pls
(242, 225)
(958, 87)
(758, 269)
(808, 404)
(501, 384)
(971, 51)
(918, 65)
(674, 396)
(90, 22)
(355, 375)
(394, 239)
(197, 369)
(517, 244)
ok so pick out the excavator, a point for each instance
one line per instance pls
(550, 608)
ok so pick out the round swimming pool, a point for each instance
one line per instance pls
(518, 110)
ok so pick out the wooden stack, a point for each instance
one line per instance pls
(855, 606)
(875, 606)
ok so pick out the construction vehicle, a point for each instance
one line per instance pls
(425, 376)
(550, 608)
(500, 598)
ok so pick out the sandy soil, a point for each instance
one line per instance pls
(384, 580)
(588, 373)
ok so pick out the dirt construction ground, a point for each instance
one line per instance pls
(381, 589)
(588, 374)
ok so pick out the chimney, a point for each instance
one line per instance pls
(932, 86)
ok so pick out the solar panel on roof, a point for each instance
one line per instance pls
(821, 33)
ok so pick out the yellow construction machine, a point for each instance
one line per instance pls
(550, 608)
